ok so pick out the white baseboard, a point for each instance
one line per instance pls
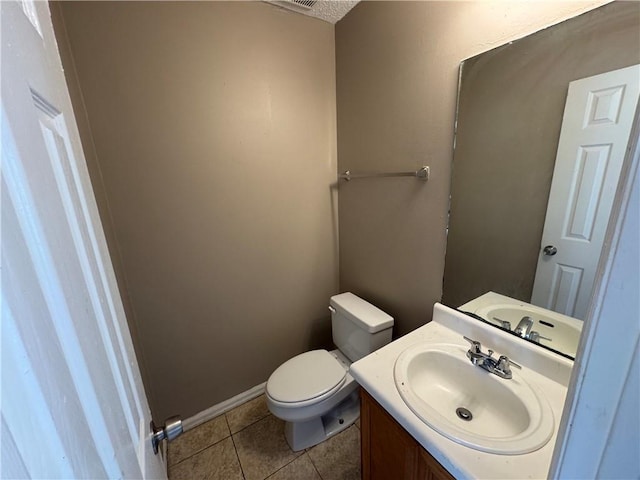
(222, 407)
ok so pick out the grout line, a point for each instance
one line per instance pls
(203, 448)
(251, 424)
(273, 473)
(235, 448)
(231, 434)
(289, 463)
(223, 407)
(314, 466)
(198, 451)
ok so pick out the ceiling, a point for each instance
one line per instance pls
(328, 10)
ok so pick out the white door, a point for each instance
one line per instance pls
(597, 122)
(73, 404)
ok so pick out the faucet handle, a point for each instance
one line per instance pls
(536, 337)
(504, 362)
(504, 324)
(502, 368)
(475, 345)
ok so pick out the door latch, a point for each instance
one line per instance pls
(171, 429)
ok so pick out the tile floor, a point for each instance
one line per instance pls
(248, 443)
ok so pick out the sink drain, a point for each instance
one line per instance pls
(464, 414)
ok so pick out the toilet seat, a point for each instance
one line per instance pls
(305, 379)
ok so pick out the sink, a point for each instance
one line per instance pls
(470, 405)
(561, 331)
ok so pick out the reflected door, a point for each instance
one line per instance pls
(597, 121)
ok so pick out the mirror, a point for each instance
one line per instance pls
(510, 115)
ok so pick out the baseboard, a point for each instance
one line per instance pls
(222, 407)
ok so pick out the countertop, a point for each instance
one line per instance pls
(543, 369)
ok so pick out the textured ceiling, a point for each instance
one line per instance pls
(328, 10)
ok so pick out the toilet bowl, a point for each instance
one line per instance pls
(315, 395)
(313, 392)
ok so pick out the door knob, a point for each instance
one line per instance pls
(550, 250)
(172, 428)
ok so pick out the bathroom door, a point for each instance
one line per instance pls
(597, 122)
(72, 400)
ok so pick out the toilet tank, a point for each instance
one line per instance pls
(358, 327)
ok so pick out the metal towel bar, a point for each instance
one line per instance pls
(422, 174)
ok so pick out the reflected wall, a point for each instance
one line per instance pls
(510, 110)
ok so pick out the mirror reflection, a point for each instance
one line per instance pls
(542, 128)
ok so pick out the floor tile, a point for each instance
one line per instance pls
(300, 469)
(339, 457)
(262, 448)
(247, 414)
(198, 439)
(217, 462)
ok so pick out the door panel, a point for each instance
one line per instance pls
(596, 125)
(73, 403)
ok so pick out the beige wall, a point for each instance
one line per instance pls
(397, 68)
(213, 126)
(506, 146)
(96, 179)
(214, 132)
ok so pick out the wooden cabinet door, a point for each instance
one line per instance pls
(429, 468)
(389, 452)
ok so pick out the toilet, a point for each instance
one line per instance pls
(313, 392)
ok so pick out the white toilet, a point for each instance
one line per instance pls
(313, 392)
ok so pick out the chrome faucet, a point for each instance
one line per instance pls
(499, 366)
(523, 329)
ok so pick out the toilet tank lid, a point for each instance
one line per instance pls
(359, 311)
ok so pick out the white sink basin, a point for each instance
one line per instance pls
(508, 417)
(560, 332)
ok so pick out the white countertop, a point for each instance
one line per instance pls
(542, 368)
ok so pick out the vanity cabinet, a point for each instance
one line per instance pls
(389, 452)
